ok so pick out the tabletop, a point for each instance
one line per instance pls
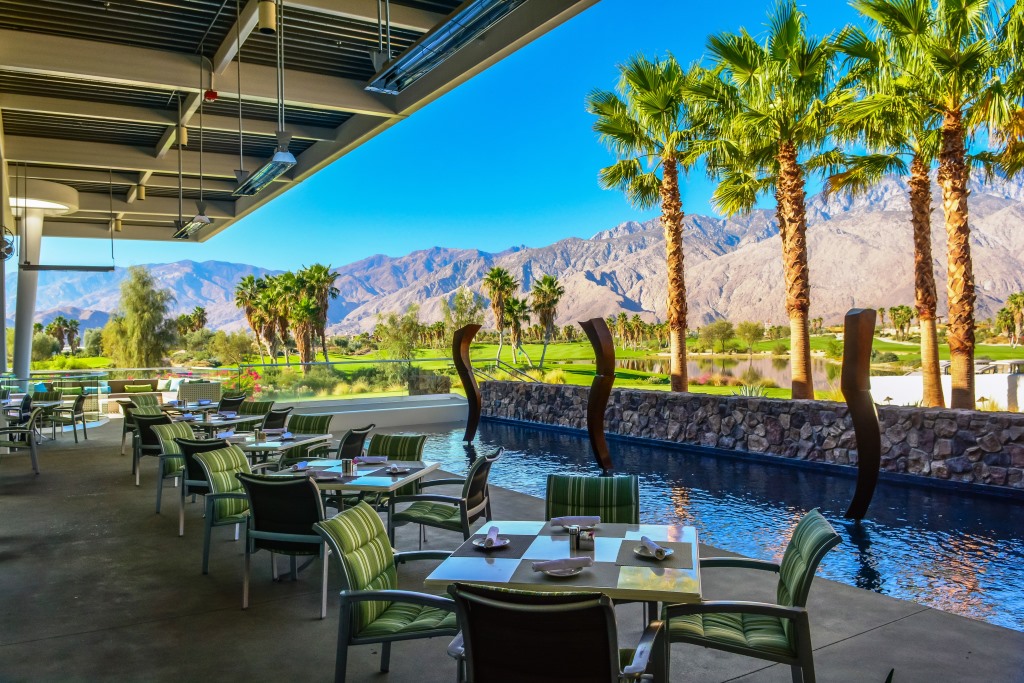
(369, 477)
(215, 422)
(277, 444)
(617, 571)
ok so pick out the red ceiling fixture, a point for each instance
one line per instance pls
(210, 95)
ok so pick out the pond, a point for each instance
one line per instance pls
(948, 550)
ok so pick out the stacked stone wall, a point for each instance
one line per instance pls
(952, 445)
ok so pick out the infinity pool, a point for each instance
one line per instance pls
(944, 549)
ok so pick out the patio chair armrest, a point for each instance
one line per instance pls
(14, 430)
(225, 496)
(426, 498)
(415, 555)
(733, 607)
(442, 482)
(642, 656)
(738, 562)
(392, 595)
(263, 466)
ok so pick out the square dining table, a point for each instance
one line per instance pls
(214, 423)
(273, 444)
(369, 477)
(617, 571)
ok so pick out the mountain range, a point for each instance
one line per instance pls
(859, 248)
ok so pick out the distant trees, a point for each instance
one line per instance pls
(139, 334)
(901, 317)
(499, 285)
(545, 297)
(64, 331)
(44, 346)
(720, 331)
(1015, 308)
(93, 342)
(517, 314)
(750, 333)
(465, 308)
(187, 323)
(397, 338)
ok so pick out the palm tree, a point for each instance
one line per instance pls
(198, 318)
(964, 75)
(646, 126)
(1004, 322)
(546, 294)
(265, 317)
(320, 279)
(765, 112)
(303, 316)
(285, 293)
(517, 313)
(247, 298)
(499, 285)
(1015, 305)
(71, 333)
(896, 127)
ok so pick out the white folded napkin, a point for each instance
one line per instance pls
(227, 414)
(395, 469)
(375, 459)
(274, 430)
(580, 520)
(286, 435)
(492, 537)
(655, 550)
(564, 563)
(299, 466)
(188, 416)
(205, 401)
(227, 433)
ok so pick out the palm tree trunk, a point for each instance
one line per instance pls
(792, 215)
(924, 281)
(959, 268)
(544, 351)
(501, 339)
(672, 224)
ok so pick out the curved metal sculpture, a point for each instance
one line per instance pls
(859, 331)
(461, 341)
(600, 389)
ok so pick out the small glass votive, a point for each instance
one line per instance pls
(585, 540)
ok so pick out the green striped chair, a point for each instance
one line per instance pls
(226, 503)
(778, 632)
(143, 400)
(172, 461)
(47, 414)
(373, 610)
(255, 409)
(404, 447)
(453, 513)
(128, 424)
(613, 499)
(306, 424)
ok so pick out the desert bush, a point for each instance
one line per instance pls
(556, 376)
(834, 349)
(780, 349)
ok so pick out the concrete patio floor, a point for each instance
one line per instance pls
(95, 586)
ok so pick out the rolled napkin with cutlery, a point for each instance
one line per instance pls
(299, 466)
(394, 469)
(492, 537)
(226, 434)
(286, 435)
(652, 548)
(274, 430)
(204, 401)
(564, 563)
(373, 459)
(228, 414)
(578, 520)
(188, 416)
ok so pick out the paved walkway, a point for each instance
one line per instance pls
(95, 586)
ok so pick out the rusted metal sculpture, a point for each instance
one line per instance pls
(461, 341)
(859, 331)
(600, 389)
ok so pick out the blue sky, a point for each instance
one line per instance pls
(508, 158)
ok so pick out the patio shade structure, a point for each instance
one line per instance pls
(89, 95)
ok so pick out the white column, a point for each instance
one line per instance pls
(28, 282)
(3, 313)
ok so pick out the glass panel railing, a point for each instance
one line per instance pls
(350, 379)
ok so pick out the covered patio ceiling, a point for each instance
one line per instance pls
(90, 93)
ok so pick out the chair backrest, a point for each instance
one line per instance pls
(131, 411)
(615, 499)
(310, 424)
(194, 472)
(359, 540)
(5, 393)
(45, 395)
(145, 423)
(30, 418)
(230, 402)
(79, 406)
(284, 505)
(502, 631)
(397, 446)
(146, 400)
(255, 407)
(352, 441)
(812, 538)
(220, 467)
(168, 434)
(26, 404)
(276, 418)
(475, 488)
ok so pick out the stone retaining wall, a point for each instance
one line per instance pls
(952, 445)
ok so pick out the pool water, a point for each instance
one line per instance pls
(944, 549)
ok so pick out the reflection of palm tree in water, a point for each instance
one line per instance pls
(867, 576)
(471, 454)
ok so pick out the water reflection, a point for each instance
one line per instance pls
(954, 552)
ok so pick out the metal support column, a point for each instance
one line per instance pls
(28, 282)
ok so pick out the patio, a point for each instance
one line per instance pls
(97, 586)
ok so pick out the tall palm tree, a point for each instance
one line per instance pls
(1015, 306)
(303, 316)
(247, 298)
(765, 112)
(1004, 322)
(896, 127)
(517, 313)
(286, 292)
(321, 279)
(965, 75)
(198, 318)
(499, 285)
(71, 333)
(265, 317)
(546, 294)
(646, 126)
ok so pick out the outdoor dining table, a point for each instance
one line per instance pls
(369, 477)
(178, 407)
(213, 423)
(618, 571)
(272, 444)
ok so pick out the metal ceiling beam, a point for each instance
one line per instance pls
(170, 136)
(6, 214)
(59, 174)
(121, 157)
(53, 228)
(402, 17)
(236, 36)
(94, 202)
(176, 72)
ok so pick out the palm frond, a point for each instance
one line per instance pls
(864, 171)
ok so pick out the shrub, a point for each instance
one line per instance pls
(360, 386)
(780, 349)
(834, 349)
(887, 357)
(556, 376)
(657, 379)
(752, 390)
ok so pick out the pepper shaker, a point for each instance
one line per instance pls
(574, 537)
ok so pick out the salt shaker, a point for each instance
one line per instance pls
(574, 537)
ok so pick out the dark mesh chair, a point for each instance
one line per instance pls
(277, 418)
(230, 403)
(19, 414)
(504, 632)
(351, 443)
(146, 441)
(194, 479)
(282, 512)
(71, 415)
(454, 513)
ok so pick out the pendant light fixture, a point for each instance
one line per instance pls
(267, 17)
(283, 160)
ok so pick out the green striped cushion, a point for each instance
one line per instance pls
(45, 395)
(360, 541)
(255, 407)
(404, 617)
(614, 499)
(443, 515)
(167, 434)
(221, 467)
(146, 400)
(754, 631)
(397, 446)
(306, 424)
(812, 538)
(141, 410)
